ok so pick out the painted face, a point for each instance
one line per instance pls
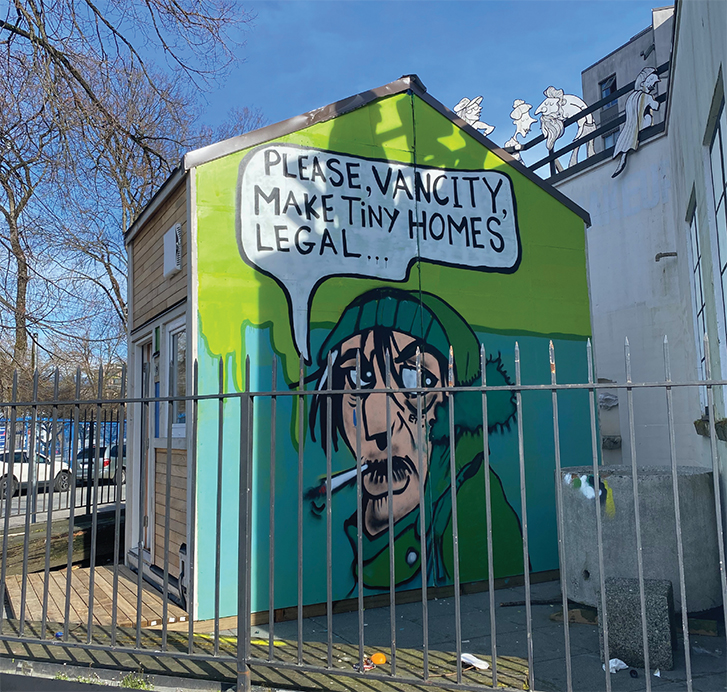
(549, 107)
(651, 81)
(403, 432)
(524, 123)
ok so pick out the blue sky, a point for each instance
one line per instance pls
(300, 55)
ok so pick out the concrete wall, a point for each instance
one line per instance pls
(634, 296)
(698, 87)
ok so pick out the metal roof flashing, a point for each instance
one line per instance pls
(405, 84)
(300, 122)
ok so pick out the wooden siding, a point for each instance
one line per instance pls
(178, 507)
(152, 292)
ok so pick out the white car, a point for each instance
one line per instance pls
(46, 472)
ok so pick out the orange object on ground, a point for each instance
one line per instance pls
(379, 659)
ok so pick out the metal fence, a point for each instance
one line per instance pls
(48, 453)
(424, 662)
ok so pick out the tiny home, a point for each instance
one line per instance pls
(369, 229)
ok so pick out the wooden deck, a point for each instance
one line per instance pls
(152, 608)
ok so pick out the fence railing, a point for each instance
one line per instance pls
(383, 480)
(43, 453)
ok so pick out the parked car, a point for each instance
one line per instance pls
(46, 472)
(108, 458)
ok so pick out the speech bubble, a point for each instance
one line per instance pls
(308, 214)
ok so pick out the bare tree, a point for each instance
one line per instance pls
(238, 122)
(90, 127)
(27, 134)
(72, 42)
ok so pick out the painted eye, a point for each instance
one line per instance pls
(428, 379)
(409, 378)
(367, 378)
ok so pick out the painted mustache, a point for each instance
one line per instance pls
(373, 472)
(402, 468)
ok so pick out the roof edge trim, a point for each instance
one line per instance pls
(299, 122)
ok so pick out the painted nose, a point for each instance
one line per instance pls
(373, 409)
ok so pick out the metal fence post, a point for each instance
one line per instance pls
(244, 543)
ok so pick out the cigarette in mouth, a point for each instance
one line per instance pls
(338, 481)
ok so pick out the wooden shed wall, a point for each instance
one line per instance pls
(177, 505)
(151, 292)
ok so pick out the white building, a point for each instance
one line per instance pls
(639, 260)
(657, 246)
(697, 136)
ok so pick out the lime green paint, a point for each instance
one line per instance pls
(547, 295)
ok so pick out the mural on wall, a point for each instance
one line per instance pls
(401, 323)
(469, 110)
(555, 109)
(638, 109)
(523, 121)
(307, 215)
(369, 234)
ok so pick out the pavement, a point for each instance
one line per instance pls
(23, 683)
(708, 657)
(708, 653)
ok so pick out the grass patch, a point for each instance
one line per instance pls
(136, 681)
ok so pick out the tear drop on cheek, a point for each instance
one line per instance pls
(354, 418)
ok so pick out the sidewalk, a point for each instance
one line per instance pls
(708, 653)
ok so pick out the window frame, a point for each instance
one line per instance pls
(609, 82)
(697, 286)
(173, 329)
(717, 208)
(605, 138)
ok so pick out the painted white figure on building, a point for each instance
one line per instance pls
(554, 111)
(639, 105)
(469, 110)
(523, 121)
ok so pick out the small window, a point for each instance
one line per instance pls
(609, 140)
(608, 87)
(173, 250)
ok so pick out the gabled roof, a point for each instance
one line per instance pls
(407, 83)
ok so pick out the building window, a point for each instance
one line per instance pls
(608, 87)
(698, 302)
(178, 385)
(718, 161)
(609, 140)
